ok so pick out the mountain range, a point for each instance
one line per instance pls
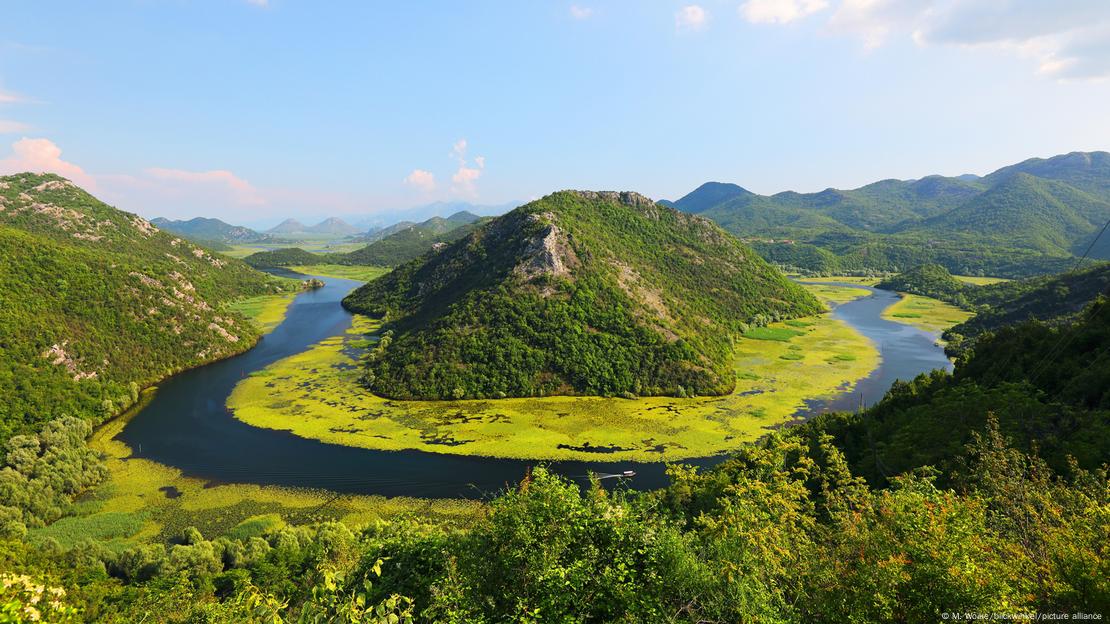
(1021, 219)
(204, 229)
(332, 226)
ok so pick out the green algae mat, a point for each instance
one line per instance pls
(315, 394)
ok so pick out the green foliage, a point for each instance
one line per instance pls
(1046, 386)
(96, 303)
(288, 256)
(928, 280)
(42, 472)
(1025, 220)
(574, 293)
(212, 230)
(1055, 300)
(411, 243)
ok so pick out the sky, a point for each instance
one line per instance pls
(257, 110)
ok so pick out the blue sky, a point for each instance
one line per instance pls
(257, 110)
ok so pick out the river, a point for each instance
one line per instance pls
(188, 426)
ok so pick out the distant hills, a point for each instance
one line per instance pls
(413, 241)
(203, 229)
(577, 293)
(396, 245)
(1023, 219)
(332, 226)
(96, 303)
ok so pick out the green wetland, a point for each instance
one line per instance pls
(296, 395)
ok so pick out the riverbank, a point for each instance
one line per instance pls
(316, 395)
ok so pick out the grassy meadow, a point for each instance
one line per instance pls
(315, 394)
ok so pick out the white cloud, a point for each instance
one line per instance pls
(7, 97)
(260, 3)
(7, 126)
(241, 191)
(423, 180)
(464, 181)
(1065, 39)
(43, 156)
(690, 17)
(581, 12)
(780, 11)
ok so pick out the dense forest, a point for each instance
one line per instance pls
(1027, 219)
(96, 303)
(983, 491)
(591, 293)
(1053, 299)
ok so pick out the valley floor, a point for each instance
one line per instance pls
(315, 394)
(778, 368)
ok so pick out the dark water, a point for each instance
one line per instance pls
(186, 424)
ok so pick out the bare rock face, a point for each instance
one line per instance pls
(628, 198)
(548, 253)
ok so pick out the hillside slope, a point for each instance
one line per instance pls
(203, 229)
(96, 303)
(412, 242)
(578, 292)
(1026, 219)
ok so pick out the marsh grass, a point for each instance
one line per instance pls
(316, 394)
(928, 314)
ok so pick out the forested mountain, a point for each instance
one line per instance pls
(929, 280)
(578, 292)
(1021, 220)
(1026, 212)
(413, 242)
(202, 229)
(1054, 299)
(287, 256)
(96, 303)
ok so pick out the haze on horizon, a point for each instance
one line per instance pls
(257, 110)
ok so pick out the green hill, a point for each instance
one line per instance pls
(96, 303)
(412, 242)
(579, 292)
(708, 195)
(1026, 211)
(1052, 299)
(287, 256)
(929, 280)
(202, 229)
(1086, 171)
(1027, 219)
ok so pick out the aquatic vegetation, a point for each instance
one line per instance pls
(931, 315)
(316, 394)
(980, 281)
(145, 500)
(781, 334)
(831, 293)
(267, 311)
(342, 271)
